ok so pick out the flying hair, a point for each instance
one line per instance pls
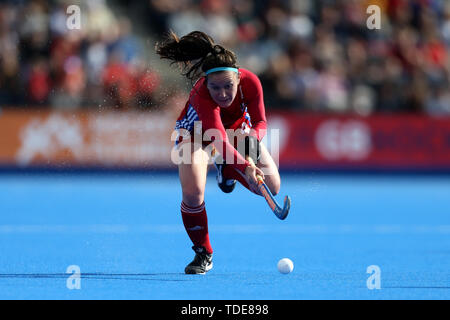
(195, 53)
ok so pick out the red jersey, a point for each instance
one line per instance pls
(247, 106)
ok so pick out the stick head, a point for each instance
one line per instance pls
(283, 213)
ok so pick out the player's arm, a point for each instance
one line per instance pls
(215, 132)
(256, 109)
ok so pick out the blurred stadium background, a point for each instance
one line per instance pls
(344, 96)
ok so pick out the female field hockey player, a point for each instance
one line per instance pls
(223, 97)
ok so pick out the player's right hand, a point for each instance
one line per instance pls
(251, 173)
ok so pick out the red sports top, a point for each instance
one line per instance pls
(250, 95)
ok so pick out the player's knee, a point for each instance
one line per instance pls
(193, 197)
(275, 189)
(274, 185)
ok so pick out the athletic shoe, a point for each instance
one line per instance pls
(202, 262)
(226, 186)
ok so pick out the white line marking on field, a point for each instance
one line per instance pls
(228, 229)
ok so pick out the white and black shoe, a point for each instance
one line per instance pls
(226, 185)
(202, 262)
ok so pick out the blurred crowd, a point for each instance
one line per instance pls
(311, 55)
(44, 63)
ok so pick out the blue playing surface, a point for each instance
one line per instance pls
(126, 235)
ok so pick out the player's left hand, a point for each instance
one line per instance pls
(251, 173)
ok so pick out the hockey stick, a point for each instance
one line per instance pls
(280, 212)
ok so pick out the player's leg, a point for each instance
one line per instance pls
(193, 177)
(265, 163)
(270, 169)
(193, 180)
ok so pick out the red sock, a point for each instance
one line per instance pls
(196, 224)
(231, 173)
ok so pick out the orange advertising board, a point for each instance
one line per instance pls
(146, 140)
(85, 139)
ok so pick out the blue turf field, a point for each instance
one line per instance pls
(125, 234)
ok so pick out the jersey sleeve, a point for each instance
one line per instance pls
(255, 97)
(209, 115)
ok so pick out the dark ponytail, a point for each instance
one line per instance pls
(196, 52)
